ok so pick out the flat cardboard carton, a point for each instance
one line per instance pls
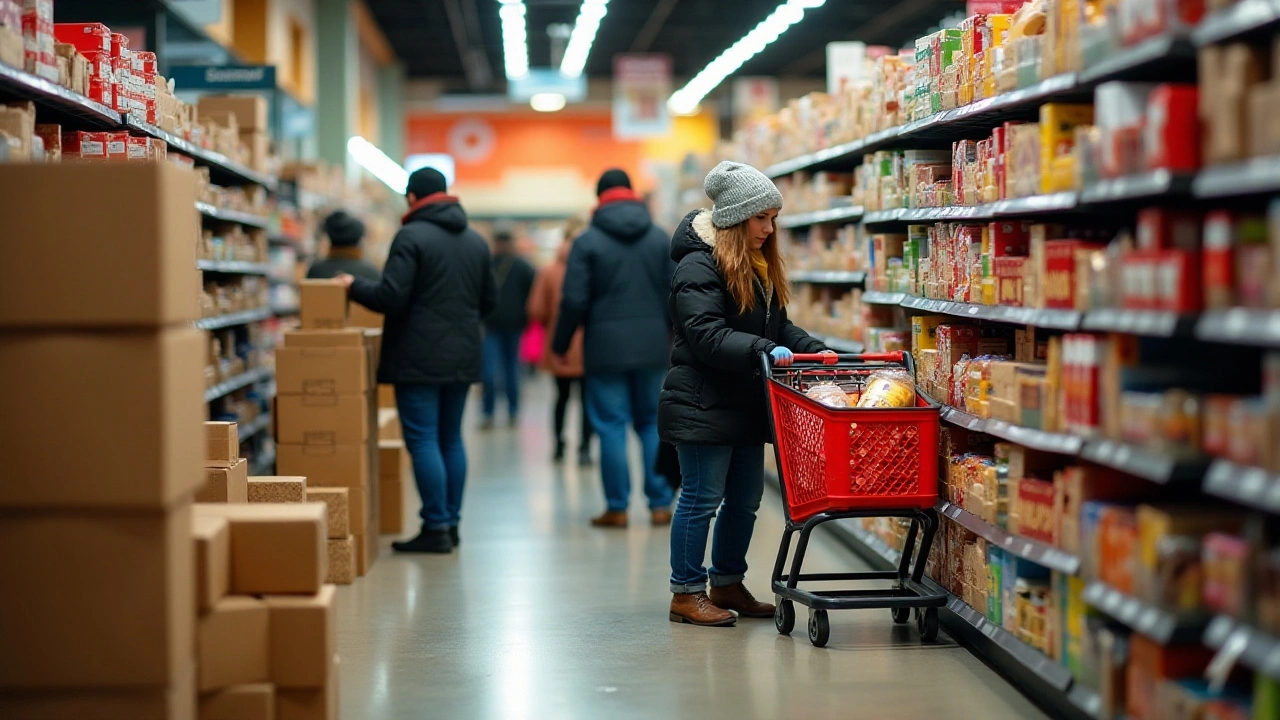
(389, 424)
(66, 400)
(225, 484)
(337, 509)
(344, 337)
(130, 232)
(235, 643)
(96, 599)
(342, 561)
(358, 316)
(303, 638)
(223, 442)
(322, 419)
(172, 702)
(322, 370)
(256, 701)
(325, 465)
(274, 489)
(212, 538)
(275, 548)
(250, 110)
(323, 304)
(393, 459)
(390, 506)
(310, 703)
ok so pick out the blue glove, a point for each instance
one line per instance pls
(781, 356)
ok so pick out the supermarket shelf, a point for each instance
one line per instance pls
(1137, 62)
(1241, 326)
(829, 277)
(1086, 701)
(1143, 186)
(1048, 317)
(51, 97)
(839, 214)
(1059, 443)
(1143, 463)
(1036, 204)
(284, 310)
(1249, 486)
(264, 463)
(1258, 650)
(242, 380)
(240, 267)
(842, 345)
(233, 319)
(1250, 177)
(255, 426)
(1152, 323)
(883, 298)
(1243, 18)
(1037, 552)
(235, 216)
(222, 169)
(1156, 623)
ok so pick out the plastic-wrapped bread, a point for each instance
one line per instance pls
(889, 388)
(828, 394)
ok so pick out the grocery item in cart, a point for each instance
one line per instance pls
(889, 388)
(828, 394)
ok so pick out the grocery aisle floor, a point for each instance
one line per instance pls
(541, 616)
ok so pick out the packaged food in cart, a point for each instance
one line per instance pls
(889, 388)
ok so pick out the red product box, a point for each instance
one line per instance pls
(145, 62)
(87, 37)
(100, 66)
(1138, 283)
(1172, 134)
(139, 149)
(1010, 239)
(1165, 229)
(1118, 547)
(1178, 287)
(1010, 278)
(102, 91)
(119, 45)
(84, 145)
(1060, 271)
(1036, 519)
(1218, 271)
(117, 146)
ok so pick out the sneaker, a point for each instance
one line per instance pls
(427, 541)
(453, 536)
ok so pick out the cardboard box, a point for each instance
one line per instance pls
(235, 643)
(277, 548)
(276, 489)
(342, 561)
(324, 304)
(390, 506)
(212, 537)
(337, 509)
(142, 211)
(19, 120)
(96, 599)
(344, 338)
(259, 146)
(223, 442)
(322, 370)
(11, 51)
(393, 459)
(389, 424)
(386, 396)
(172, 702)
(250, 111)
(303, 638)
(311, 703)
(225, 484)
(256, 701)
(366, 552)
(322, 419)
(325, 465)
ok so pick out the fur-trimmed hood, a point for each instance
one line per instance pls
(696, 233)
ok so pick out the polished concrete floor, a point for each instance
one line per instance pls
(541, 616)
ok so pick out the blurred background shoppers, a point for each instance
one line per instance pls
(544, 308)
(513, 276)
(729, 301)
(345, 232)
(434, 291)
(616, 287)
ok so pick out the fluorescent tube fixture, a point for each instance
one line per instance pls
(685, 100)
(375, 161)
(515, 44)
(547, 102)
(590, 15)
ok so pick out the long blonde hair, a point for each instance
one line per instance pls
(733, 256)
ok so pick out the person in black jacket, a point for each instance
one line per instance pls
(345, 232)
(505, 326)
(436, 288)
(729, 306)
(616, 288)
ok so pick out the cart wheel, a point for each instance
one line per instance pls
(819, 628)
(927, 623)
(901, 615)
(784, 616)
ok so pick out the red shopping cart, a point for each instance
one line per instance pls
(839, 463)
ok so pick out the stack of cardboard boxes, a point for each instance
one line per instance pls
(244, 118)
(392, 463)
(102, 413)
(226, 473)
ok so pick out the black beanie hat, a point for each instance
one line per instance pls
(613, 178)
(426, 181)
(343, 230)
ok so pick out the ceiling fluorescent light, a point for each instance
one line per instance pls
(685, 100)
(547, 102)
(375, 161)
(590, 15)
(515, 43)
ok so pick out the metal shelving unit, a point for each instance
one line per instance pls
(1255, 649)
(52, 98)
(232, 319)
(238, 267)
(1038, 552)
(235, 216)
(817, 217)
(238, 382)
(222, 169)
(1249, 486)
(1161, 625)
(829, 277)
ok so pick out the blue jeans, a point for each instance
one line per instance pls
(722, 477)
(431, 418)
(501, 365)
(613, 401)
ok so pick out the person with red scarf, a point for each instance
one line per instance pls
(435, 291)
(616, 288)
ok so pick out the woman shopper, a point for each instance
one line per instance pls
(544, 307)
(434, 291)
(729, 305)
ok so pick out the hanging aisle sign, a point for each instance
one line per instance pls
(641, 86)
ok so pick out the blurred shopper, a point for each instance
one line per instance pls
(729, 303)
(616, 288)
(434, 292)
(504, 328)
(345, 232)
(544, 307)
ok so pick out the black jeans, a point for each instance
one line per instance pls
(563, 387)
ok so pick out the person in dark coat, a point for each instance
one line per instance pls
(616, 288)
(504, 328)
(434, 292)
(729, 306)
(345, 232)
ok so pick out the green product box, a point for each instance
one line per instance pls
(995, 567)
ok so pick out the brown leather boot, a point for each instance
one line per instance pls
(660, 517)
(610, 519)
(738, 599)
(697, 609)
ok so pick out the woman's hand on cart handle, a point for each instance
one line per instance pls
(782, 357)
(830, 358)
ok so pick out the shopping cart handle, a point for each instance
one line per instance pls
(833, 358)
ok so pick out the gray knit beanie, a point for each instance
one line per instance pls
(737, 192)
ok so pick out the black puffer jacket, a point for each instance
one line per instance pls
(713, 394)
(616, 287)
(436, 288)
